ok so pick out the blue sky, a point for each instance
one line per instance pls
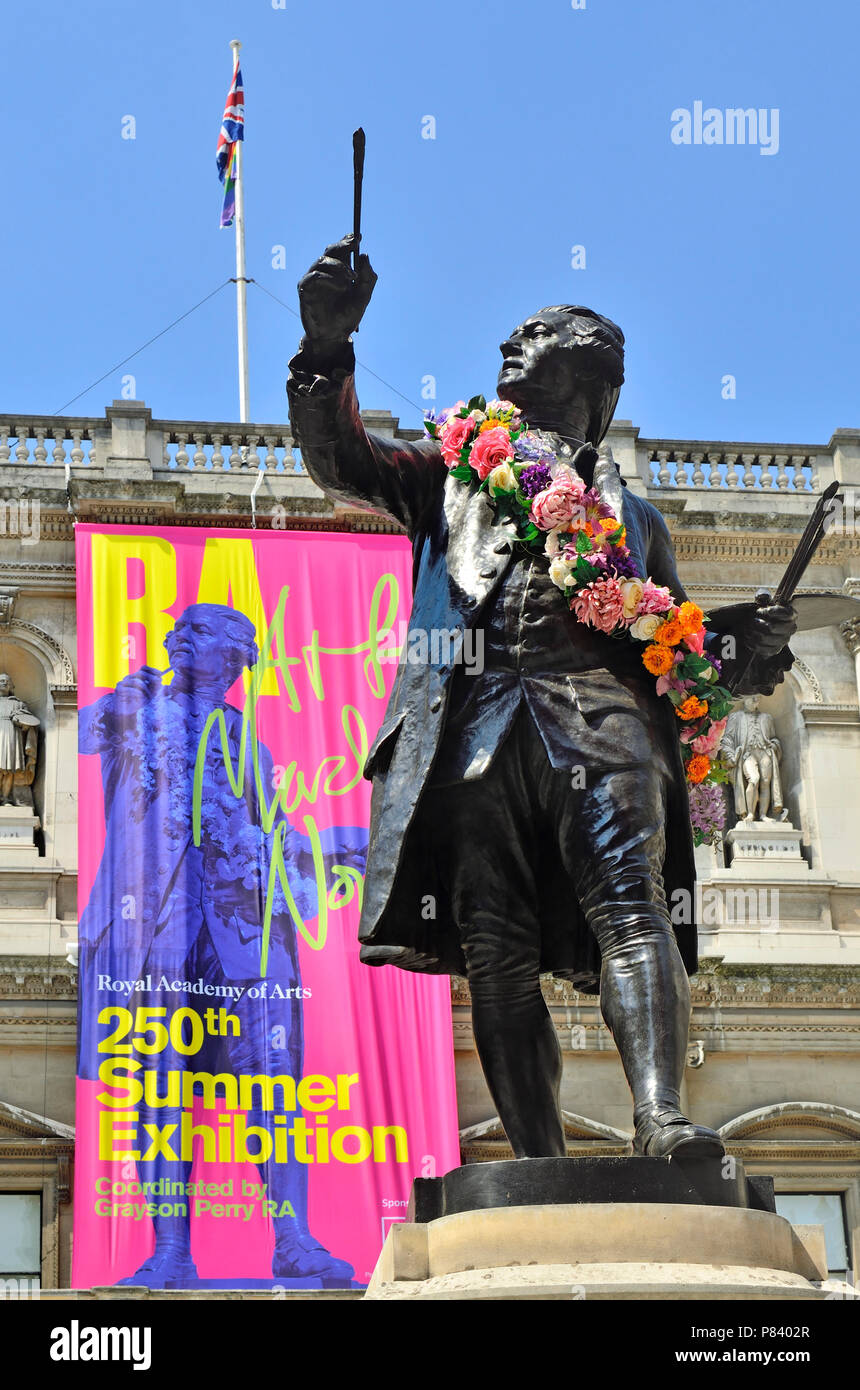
(552, 130)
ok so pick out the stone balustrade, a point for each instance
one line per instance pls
(227, 447)
(761, 467)
(49, 441)
(38, 454)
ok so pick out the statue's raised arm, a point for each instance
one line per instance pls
(352, 467)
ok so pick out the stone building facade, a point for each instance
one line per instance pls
(775, 1036)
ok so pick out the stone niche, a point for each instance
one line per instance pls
(772, 846)
(21, 836)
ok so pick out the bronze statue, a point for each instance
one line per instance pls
(532, 817)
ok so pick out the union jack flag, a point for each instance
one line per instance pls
(232, 131)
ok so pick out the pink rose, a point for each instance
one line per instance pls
(655, 598)
(709, 743)
(600, 604)
(696, 641)
(558, 504)
(454, 435)
(489, 450)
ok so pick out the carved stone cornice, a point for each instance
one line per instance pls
(304, 514)
(37, 977)
(795, 1151)
(752, 547)
(64, 696)
(47, 579)
(788, 987)
(830, 714)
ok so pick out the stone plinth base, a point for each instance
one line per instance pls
(614, 1250)
(18, 825)
(770, 848)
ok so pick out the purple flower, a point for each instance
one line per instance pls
(707, 812)
(623, 565)
(529, 447)
(535, 478)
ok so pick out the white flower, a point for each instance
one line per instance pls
(504, 477)
(561, 572)
(644, 628)
(554, 540)
(632, 591)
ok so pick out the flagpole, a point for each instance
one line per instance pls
(241, 297)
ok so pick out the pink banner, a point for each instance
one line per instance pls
(253, 1103)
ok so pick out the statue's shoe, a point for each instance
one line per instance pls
(302, 1257)
(670, 1134)
(167, 1268)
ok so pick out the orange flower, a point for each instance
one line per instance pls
(609, 523)
(691, 617)
(692, 708)
(494, 423)
(658, 660)
(698, 768)
(669, 633)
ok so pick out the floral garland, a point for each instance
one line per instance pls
(490, 448)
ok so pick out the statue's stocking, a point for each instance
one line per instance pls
(520, 1054)
(645, 1001)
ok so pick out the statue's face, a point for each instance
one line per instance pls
(541, 363)
(751, 704)
(5, 684)
(198, 646)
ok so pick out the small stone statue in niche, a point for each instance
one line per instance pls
(753, 752)
(19, 746)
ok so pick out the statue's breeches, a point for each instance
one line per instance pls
(490, 838)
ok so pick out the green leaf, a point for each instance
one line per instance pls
(463, 472)
(477, 403)
(583, 544)
(431, 428)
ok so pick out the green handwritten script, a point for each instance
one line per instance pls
(292, 787)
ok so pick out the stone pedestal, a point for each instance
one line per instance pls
(693, 1231)
(769, 849)
(709, 860)
(18, 825)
